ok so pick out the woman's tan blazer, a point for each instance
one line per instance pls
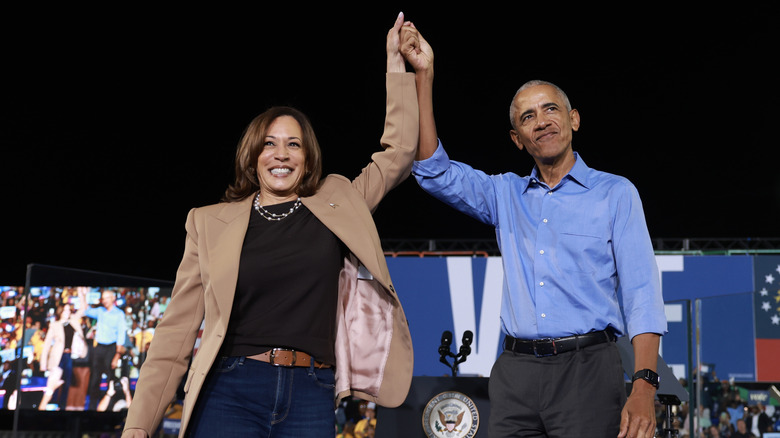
(373, 345)
(54, 344)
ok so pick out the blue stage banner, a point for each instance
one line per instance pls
(460, 293)
(722, 286)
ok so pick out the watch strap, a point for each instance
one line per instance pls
(647, 375)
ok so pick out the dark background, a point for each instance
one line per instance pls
(116, 122)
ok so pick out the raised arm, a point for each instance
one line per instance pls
(395, 61)
(82, 295)
(393, 164)
(419, 54)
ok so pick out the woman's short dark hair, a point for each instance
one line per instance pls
(251, 145)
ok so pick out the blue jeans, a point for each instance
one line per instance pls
(66, 363)
(248, 398)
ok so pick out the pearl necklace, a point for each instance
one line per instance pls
(267, 215)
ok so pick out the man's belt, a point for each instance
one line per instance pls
(553, 346)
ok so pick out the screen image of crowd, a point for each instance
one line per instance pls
(54, 355)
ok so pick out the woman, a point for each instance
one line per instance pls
(64, 342)
(290, 282)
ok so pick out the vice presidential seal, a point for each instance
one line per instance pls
(450, 414)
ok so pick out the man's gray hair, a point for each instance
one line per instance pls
(534, 83)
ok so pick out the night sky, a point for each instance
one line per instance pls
(116, 122)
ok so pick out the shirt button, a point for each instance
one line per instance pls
(550, 192)
(541, 283)
(544, 315)
(544, 220)
(541, 252)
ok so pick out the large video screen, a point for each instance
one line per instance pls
(76, 345)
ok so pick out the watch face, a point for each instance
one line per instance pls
(653, 379)
(653, 376)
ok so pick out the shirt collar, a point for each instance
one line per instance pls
(578, 173)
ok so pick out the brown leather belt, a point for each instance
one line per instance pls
(282, 357)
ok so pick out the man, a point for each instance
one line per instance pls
(573, 242)
(110, 336)
(9, 382)
(742, 430)
(757, 420)
(713, 432)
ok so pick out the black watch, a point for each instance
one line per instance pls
(649, 376)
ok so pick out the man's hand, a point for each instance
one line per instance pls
(638, 417)
(416, 50)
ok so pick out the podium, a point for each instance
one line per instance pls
(407, 420)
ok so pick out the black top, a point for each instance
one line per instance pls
(68, 334)
(287, 289)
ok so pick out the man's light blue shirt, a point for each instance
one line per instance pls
(111, 326)
(571, 254)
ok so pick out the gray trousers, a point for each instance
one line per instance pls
(575, 394)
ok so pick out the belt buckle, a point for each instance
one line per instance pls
(272, 358)
(545, 350)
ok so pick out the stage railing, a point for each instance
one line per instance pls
(489, 247)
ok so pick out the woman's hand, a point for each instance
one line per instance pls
(395, 60)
